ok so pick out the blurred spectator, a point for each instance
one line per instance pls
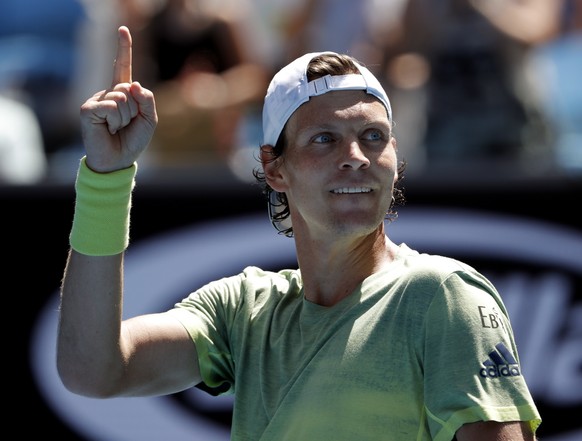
(22, 157)
(335, 25)
(462, 65)
(557, 67)
(38, 50)
(197, 61)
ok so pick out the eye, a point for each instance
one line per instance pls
(322, 138)
(374, 135)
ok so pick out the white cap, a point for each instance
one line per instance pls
(290, 88)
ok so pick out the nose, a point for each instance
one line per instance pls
(353, 156)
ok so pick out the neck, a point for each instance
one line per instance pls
(331, 272)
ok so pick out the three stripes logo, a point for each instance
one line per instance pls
(501, 363)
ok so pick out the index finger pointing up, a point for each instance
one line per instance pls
(122, 64)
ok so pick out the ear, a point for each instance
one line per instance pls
(395, 146)
(271, 167)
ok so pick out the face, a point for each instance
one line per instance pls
(339, 167)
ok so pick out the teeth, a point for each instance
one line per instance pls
(352, 190)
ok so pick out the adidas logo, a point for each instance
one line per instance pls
(501, 363)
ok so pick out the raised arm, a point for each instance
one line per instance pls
(98, 354)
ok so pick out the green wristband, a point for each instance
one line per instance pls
(101, 220)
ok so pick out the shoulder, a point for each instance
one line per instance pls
(255, 279)
(252, 285)
(254, 273)
(441, 275)
(432, 268)
(250, 290)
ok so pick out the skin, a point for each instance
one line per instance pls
(97, 354)
(339, 140)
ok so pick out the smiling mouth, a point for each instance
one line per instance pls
(351, 190)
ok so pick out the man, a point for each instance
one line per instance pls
(368, 340)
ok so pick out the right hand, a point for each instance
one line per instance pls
(118, 123)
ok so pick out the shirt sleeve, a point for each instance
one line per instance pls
(472, 370)
(208, 315)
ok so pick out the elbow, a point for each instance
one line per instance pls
(83, 381)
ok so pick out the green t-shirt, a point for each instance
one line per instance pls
(415, 352)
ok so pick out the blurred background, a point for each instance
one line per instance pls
(487, 100)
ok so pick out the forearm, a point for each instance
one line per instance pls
(90, 360)
(89, 357)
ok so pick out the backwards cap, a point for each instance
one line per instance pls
(290, 88)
